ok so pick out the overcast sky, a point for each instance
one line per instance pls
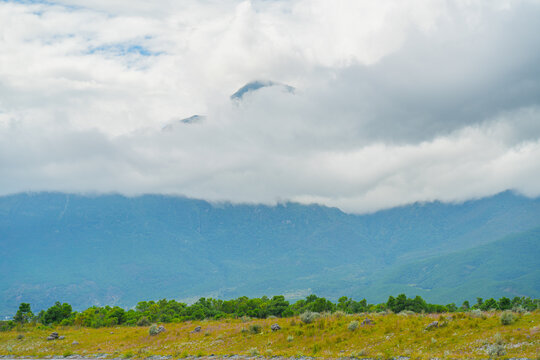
(393, 102)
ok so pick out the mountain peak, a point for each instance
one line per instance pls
(256, 85)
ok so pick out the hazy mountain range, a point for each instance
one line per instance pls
(111, 249)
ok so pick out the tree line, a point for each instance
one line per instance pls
(167, 311)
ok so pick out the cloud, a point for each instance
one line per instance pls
(394, 101)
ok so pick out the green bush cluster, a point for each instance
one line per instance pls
(167, 311)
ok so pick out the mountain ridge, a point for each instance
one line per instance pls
(111, 249)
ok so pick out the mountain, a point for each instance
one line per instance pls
(111, 249)
(256, 85)
(506, 267)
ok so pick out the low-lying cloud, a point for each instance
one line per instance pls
(393, 102)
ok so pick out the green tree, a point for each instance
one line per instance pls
(278, 305)
(24, 314)
(505, 303)
(489, 304)
(56, 313)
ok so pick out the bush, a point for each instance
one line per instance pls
(508, 318)
(359, 354)
(497, 348)
(406, 313)
(477, 313)
(353, 325)
(253, 351)
(143, 321)
(308, 317)
(153, 330)
(255, 328)
(290, 338)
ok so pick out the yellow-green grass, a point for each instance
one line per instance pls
(460, 336)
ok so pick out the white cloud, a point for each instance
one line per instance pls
(395, 101)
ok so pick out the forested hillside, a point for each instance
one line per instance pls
(111, 249)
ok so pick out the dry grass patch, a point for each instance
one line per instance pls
(458, 336)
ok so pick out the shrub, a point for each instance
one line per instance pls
(290, 338)
(153, 330)
(308, 317)
(253, 351)
(353, 325)
(406, 313)
(255, 328)
(508, 318)
(359, 354)
(339, 314)
(497, 348)
(6, 325)
(477, 313)
(143, 321)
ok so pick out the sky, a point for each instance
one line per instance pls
(368, 104)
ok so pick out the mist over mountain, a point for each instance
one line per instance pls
(111, 249)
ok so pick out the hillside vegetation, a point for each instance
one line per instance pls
(458, 335)
(95, 250)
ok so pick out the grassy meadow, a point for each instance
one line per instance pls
(459, 335)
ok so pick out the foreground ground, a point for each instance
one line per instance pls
(391, 335)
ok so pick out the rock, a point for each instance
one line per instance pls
(275, 327)
(432, 325)
(53, 336)
(61, 337)
(368, 321)
(197, 329)
(161, 329)
(75, 343)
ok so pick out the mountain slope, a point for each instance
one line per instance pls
(506, 267)
(112, 249)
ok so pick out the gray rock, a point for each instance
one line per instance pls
(161, 329)
(53, 336)
(275, 327)
(197, 329)
(75, 342)
(61, 337)
(368, 321)
(432, 325)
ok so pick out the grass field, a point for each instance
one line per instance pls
(460, 335)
